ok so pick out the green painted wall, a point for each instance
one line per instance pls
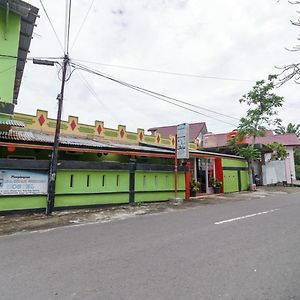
(157, 186)
(234, 163)
(22, 202)
(230, 181)
(90, 199)
(9, 43)
(92, 182)
(92, 187)
(245, 180)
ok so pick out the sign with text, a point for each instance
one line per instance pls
(183, 137)
(20, 182)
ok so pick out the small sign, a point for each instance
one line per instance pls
(19, 182)
(183, 138)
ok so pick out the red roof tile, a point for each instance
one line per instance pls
(220, 140)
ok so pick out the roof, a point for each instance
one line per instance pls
(28, 15)
(287, 139)
(197, 153)
(220, 140)
(38, 138)
(195, 130)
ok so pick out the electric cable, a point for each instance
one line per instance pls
(82, 24)
(148, 92)
(95, 95)
(165, 72)
(68, 26)
(45, 11)
(185, 103)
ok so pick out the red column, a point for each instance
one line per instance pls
(187, 180)
(219, 172)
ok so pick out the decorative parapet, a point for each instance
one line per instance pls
(41, 122)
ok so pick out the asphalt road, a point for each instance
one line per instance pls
(237, 250)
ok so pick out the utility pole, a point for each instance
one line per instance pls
(54, 155)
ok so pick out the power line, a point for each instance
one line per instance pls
(45, 11)
(68, 25)
(94, 93)
(186, 103)
(82, 24)
(6, 56)
(148, 92)
(166, 72)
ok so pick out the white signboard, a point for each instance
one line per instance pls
(19, 182)
(183, 137)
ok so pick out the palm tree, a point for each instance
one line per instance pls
(290, 128)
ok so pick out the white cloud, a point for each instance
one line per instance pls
(233, 38)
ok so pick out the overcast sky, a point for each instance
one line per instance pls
(230, 39)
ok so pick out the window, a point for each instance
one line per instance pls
(71, 180)
(103, 180)
(88, 180)
(118, 180)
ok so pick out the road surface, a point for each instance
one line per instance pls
(237, 250)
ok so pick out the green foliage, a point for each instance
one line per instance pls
(290, 128)
(195, 185)
(297, 172)
(297, 156)
(262, 110)
(279, 151)
(215, 182)
(249, 152)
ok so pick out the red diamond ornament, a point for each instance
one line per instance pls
(122, 133)
(41, 120)
(73, 125)
(99, 129)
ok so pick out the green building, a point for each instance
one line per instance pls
(17, 20)
(97, 165)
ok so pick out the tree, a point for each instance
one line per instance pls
(290, 128)
(291, 71)
(279, 151)
(262, 112)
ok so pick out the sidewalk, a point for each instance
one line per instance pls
(11, 224)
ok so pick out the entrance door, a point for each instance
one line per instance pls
(201, 173)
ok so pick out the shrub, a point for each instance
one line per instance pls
(297, 172)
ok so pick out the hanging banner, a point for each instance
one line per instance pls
(20, 182)
(183, 138)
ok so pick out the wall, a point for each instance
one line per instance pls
(157, 186)
(42, 123)
(290, 165)
(274, 171)
(235, 174)
(9, 41)
(109, 185)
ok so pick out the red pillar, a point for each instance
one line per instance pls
(187, 180)
(219, 172)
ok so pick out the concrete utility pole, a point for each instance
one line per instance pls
(54, 155)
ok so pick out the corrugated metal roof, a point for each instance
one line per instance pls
(43, 138)
(12, 123)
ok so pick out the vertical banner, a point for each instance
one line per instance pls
(183, 138)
